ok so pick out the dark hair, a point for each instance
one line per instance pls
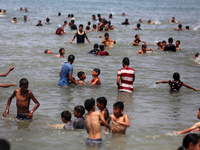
(138, 25)
(4, 144)
(47, 19)
(96, 45)
(14, 18)
(80, 109)
(65, 21)
(68, 15)
(72, 21)
(101, 47)
(163, 41)
(59, 14)
(94, 16)
(46, 51)
(144, 45)
(109, 22)
(178, 41)
(87, 28)
(187, 27)
(23, 82)
(72, 15)
(100, 20)
(189, 138)
(66, 115)
(97, 70)
(176, 76)
(106, 34)
(180, 25)
(126, 61)
(89, 104)
(136, 35)
(126, 20)
(89, 23)
(81, 25)
(71, 58)
(40, 21)
(99, 15)
(102, 100)
(140, 19)
(197, 54)
(158, 43)
(94, 25)
(119, 105)
(170, 40)
(61, 50)
(80, 73)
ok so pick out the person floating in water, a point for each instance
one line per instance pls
(4, 75)
(144, 49)
(179, 28)
(80, 35)
(176, 84)
(39, 23)
(108, 41)
(61, 53)
(23, 97)
(137, 41)
(174, 21)
(126, 22)
(138, 27)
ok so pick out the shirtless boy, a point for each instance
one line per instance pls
(119, 121)
(82, 77)
(23, 96)
(107, 41)
(195, 127)
(144, 49)
(92, 121)
(137, 41)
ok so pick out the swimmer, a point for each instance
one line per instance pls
(137, 41)
(47, 51)
(95, 73)
(144, 50)
(4, 75)
(61, 53)
(4, 11)
(26, 9)
(1, 12)
(196, 55)
(126, 22)
(25, 18)
(160, 45)
(94, 27)
(109, 26)
(195, 127)
(102, 52)
(73, 26)
(60, 30)
(179, 28)
(140, 20)
(170, 46)
(94, 18)
(66, 118)
(79, 123)
(87, 29)
(138, 27)
(174, 21)
(14, 20)
(123, 14)
(65, 23)
(59, 14)
(23, 97)
(102, 25)
(110, 16)
(72, 17)
(89, 25)
(177, 45)
(39, 23)
(119, 120)
(176, 84)
(21, 9)
(107, 41)
(95, 50)
(47, 21)
(187, 28)
(81, 75)
(150, 22)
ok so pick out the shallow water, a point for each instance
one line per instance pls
(154, 113)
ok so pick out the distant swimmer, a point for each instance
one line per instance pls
(123, 14)
(60, 30)
(81, 75)
(80, 35)
(89, 25)
(109, 26)
(4, 11)
(96, 80)
(174, 21)
(47, 51)
(150, 22)
(39, 23)
(102, 52)
(197, 58)
(108, 41)
(25, 18)
(72, 25)
(14, 20)
(138, 27)
(21, 9)
(95, 50)
(59, 14)
(179, 28)
(94, 27)
(194, 128)
(170, 46)
(160, 45)
(140, 20)
(102, 25)
(65, 24)
(94, 18)
(4, 75)
(61, 53)
(126, 22)
(144, 50)
(137, 41)
(26, 9)
(187, 28)
(110, 16)
(66, 118)
(47, 21)
(177, 45)
(176, 84)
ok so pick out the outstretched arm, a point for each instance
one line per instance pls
(189, 87)
(145, 42)
(37, 104)
(7, 85)
(73, 38)
(139, 52)
(162, 82)
(5, 74)
(6, 113)
(197, 125)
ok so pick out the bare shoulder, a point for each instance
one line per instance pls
(125, 115)
(197, 124)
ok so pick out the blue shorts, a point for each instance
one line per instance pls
(94, 141)
(22, 117)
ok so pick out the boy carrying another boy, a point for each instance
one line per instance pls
(23, 96)
(108, 41)
(82, 77)
(79, 123)
(95, 74)
(66, 118)
(92, 121)
(101, 104)
(119, 121)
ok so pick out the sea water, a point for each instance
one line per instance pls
(154, 113)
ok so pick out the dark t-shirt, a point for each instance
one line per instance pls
(73, 27)
(39, 25)
(170, 47)
(175, 85)
(79, 123)
(94, 51)
(125, 23)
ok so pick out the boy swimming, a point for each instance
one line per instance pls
(177, 45)
(23, 97)
(144, 50)
(138, 27)
(61, 53)
(95, 74)
(66, 118)
(108, 41)
(176, 84)
(179, 28)
(137, 41)
(82, 78)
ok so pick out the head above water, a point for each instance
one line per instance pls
(180, 26)
(138, 25)
(89, 104)
(96, 46)
(23, 82)
(119, 105)
(197, 55)
(125, 61)
(80, 73)
(66, 115)
(170, 40)
(102, 100)
(176, 76)
(61, 51)
(187, 28)
(106, 35)
(144, 46)
(102, 47)
(47, 20)
(140, 20)
(80, 109)
(59, 14)
(71, 58)
(97, 70)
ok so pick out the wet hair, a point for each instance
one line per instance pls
(97, 70)
(96, 45)
(71, 58)
(87, 28)
(125, 61)
(105, 21)
(106, 34)
(178, 41)
(126, 20)
(80, 73)
(65, 22)
(101, 47)
(47, 19)
(89, 104)
(66, 115)
(176, 76)
(4, 144)
(138, 25)
(163, 41)
(23, 82)
(46, 51)
(100, 20)
(89, 23)
(136, 35)
(81, 25)
(197, 54)
(98, 15)
(102, 100)
(189, 138)
(40, 21)
(180, 25)
(72, 15)
(60, 50)
(170, 40)
(59, 14)
(109, 22)
(94, 25)
(110, 16)
(94, 16)
(72, 21)
(119, 105)
(144, 45)
(14, 18)
(187, 27)
(68, 15)
(159, 43)
(80, 109)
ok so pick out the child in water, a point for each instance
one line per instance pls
(102, 52)
(144, 50)
(79, 123)
(61, 53)
(137, 41)
(179, 28)
(23, 96)
(82, 78)
(108, 41)
(47, 51)
(66, 118)
(95, 74)
(176, 84)
(138, 27)
(177, 45)
(119, 120)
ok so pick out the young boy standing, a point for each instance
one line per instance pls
(79, 123)
(66, 118)
(95, 74)
(108, 41)
(92, 121)
(119, 121)
(101, 104)
(23, 96)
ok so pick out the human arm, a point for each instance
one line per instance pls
(161, 82)
(95, 82)
(125, 121)
(189, 87)
(6, 113)
(73, 38)
(108, 121)
(150, 49)
(87, 38)
(139, 52)
(118, 81)
(197, 125)
(5, 74)
(103, 41)
(7, 85)
(72, 79)
(145, 42)
(103, 121)
(37, 104)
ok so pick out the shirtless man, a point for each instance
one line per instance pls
(144, 49)
(119, 121)
(174, 21)
(107, 41)
(195, 127)
(92, 121)
(23, 96)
